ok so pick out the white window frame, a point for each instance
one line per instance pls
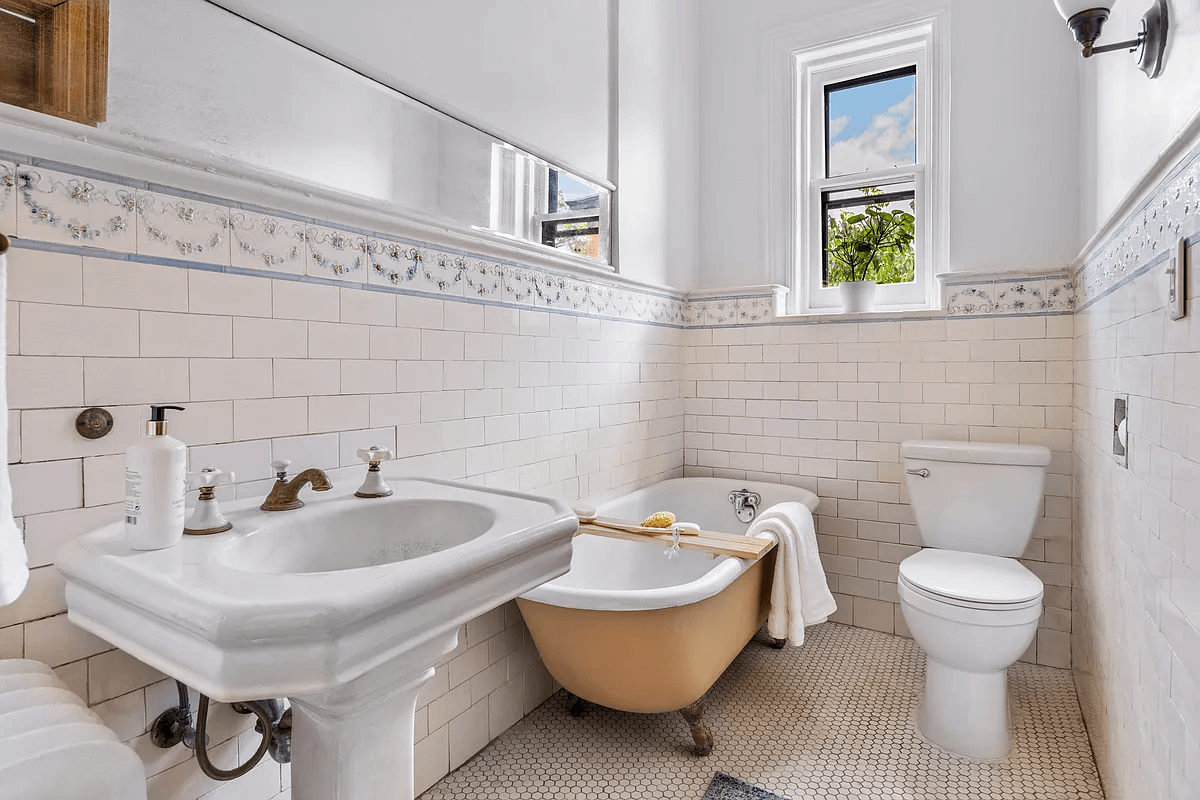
(811, 64)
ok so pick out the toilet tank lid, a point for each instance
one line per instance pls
(1025, 455)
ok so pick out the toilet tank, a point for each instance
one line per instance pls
(976, 497)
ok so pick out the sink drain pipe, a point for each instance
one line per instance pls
(174, 726)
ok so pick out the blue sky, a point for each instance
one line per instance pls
(872, 126)
(571, 188)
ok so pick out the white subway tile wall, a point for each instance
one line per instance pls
(591, 403)
(518, 399)
(825, 406)
(1137, 540)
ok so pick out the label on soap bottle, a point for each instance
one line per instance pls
(133, 496)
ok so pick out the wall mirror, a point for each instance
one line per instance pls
(199, 75)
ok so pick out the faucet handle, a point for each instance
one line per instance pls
(280, 466)
(206, 518)
(374, 454)
(209, 478)
(374, 486)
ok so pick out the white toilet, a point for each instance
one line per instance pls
(971, 606)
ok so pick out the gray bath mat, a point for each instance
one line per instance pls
(726, 787)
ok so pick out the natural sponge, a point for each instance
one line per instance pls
(659, 519)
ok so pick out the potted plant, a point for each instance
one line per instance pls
(868, 248)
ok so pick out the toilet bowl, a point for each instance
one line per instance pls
(969, 604)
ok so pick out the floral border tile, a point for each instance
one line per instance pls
(1022, 297)
(260, 241)
(178, 227)
(392, 263)
(721, 312)
(620, 302)
(175, 227)
(484, 280)
(443, 273)
(1171, 212)
(555, 291)
(73, 210)
(665, 310)
(1060, 294)
(755, 309)
(971, 299)
(600, 299)
(336, 254)
(58, 207)
(8, 198)
(518, 285)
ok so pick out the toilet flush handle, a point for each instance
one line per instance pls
(920, 473)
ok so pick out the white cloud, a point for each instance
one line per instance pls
(838, 124)
(887, 142)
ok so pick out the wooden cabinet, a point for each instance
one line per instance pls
(54, 57)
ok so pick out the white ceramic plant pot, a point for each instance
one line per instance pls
(857, 296)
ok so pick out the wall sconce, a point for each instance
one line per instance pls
(1086, 19)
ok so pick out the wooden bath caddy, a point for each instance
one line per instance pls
(722, 544)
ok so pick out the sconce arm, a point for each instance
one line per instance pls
(1131, 45)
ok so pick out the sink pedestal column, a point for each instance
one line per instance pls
(356, 742)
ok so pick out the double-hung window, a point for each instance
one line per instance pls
(869, 142)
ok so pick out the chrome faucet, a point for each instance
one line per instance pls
(745, 503)
(285, 494)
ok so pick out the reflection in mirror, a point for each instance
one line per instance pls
(197, 75)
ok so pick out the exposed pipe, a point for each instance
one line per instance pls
(206, 766)
(174, 726)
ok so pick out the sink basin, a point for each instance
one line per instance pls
(342, 537)
(344, 606)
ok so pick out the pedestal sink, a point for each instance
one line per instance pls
(344, 606)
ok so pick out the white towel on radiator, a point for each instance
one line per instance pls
(14, 570)
(799, 593)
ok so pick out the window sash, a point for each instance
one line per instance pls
(862, 201)
(862, 80)
(888, 297)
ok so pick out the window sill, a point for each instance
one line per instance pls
(864, 316)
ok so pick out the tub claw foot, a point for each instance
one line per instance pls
(575, 705)
(701, 733)
(778, 644)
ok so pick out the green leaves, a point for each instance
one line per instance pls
(875, 244)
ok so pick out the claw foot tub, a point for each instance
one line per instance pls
(630, 629)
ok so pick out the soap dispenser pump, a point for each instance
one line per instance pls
(155, 482)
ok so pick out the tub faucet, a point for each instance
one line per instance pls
(745, 504)
(285, 494)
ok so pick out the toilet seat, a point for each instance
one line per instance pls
(971, 580)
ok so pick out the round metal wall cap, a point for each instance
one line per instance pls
(94, 423)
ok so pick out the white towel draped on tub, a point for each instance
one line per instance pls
(14, 570)
(799, 594)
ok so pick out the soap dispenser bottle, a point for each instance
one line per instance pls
(155, 481)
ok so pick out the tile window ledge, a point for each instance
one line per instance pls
(863, 316)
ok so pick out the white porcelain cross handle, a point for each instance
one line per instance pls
(279, 467)
(375, 453)
(209, 477)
